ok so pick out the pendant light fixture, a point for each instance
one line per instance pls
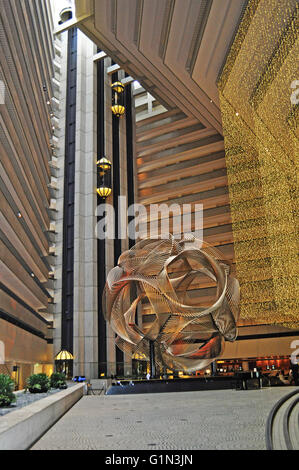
(104, 178)
(117, 107)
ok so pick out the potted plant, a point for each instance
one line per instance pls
(58, 380)
(38, 383)
(6, 390)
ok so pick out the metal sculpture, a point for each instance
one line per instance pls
(152, 301)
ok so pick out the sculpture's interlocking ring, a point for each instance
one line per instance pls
(154, 294)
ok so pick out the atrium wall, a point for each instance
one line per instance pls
(27, 169)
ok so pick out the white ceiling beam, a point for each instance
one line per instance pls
(127, 80)
(73, 22)
(99, 56)
(113, 68)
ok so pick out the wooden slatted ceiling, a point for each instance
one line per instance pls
(161, 130)
(155, 196)
(182, 173)
(176, 165)
(177, 157)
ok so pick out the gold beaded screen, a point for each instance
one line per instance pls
(259, 105)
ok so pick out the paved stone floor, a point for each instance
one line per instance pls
(220, 419)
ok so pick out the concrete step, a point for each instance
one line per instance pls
(293, 426)
(282, 431)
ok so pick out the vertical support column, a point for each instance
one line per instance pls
(129, 187)
(69, 196)
(109, 243)
(60, 154)
(152, 359)
(101, 245)
(85, 242)
(130, 155)
(117, 221)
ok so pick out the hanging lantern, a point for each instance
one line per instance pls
(117, 107)
(118, 110)
(64, 356)
(104, 178)
(118, 87)
(65, 15)
(104, 192)
(64, 363)
(104, 164)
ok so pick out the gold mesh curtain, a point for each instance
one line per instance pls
(260, 124)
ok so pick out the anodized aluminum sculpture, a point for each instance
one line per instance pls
(153, 297)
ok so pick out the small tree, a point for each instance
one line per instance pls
(6, 390)
(58, 380)
(38, 383)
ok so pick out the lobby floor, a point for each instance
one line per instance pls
(220, 420)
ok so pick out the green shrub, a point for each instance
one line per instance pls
(58, 380)
(36, 387)
(38, 383)
(7, 386)
(61, 384)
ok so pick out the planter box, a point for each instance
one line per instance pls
(20, 429)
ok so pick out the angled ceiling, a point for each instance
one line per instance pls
(174, 48)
